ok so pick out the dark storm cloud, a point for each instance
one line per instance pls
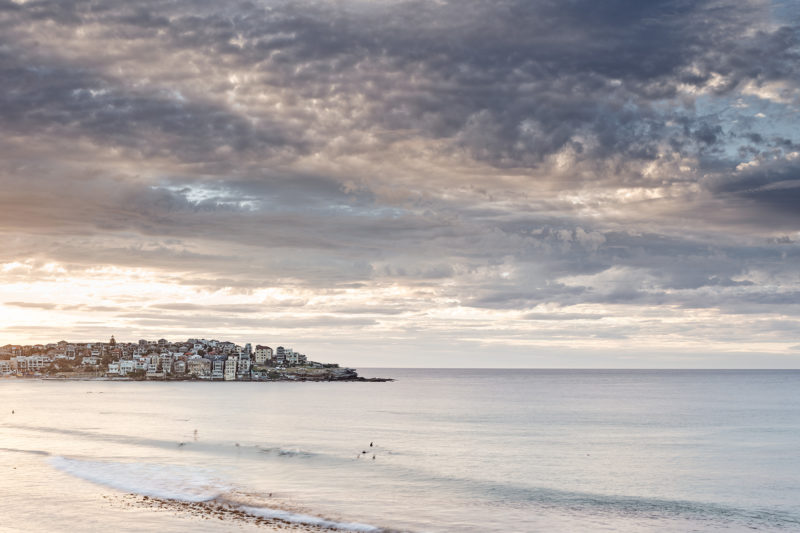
(769, 187)
(510, 81)
(64, 101)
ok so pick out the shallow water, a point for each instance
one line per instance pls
(454, 450)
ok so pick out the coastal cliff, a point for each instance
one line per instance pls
(325, 374)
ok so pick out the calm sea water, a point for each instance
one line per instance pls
(454, 450)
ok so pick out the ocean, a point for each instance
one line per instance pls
(433, 451)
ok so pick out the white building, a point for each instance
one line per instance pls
(294, 358)
(262, 354)
(152, 364)
(166, 363)
(126, 366)
(230, 368)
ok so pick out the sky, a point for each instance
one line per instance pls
(430, 183)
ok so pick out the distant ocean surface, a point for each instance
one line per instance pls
(454, 450)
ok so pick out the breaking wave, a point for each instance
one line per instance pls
(180, 484)
(286, 452)
(156, 480)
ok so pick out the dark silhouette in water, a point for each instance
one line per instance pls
(370, 445)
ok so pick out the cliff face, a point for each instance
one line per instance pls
(321, 374)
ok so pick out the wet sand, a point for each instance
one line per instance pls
(231, 513)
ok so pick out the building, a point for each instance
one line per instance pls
(231, 365)
(166, 363)
(226, 347)
(153, 364)
(262, 354)
(36, 363)
(280, 355)
(125, 367)
(243, 368)
(218, 368)
(294, 358)
(29, 364)
(199, 367)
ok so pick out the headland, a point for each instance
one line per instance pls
(163, 360)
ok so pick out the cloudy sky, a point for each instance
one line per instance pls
(559, 183)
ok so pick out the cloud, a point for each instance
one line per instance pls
(563, 316)
(379, 162)
(31, 305)
(216, 309)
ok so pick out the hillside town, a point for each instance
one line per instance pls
(193, 359)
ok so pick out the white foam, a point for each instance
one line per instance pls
(287, 452)
(158, 481)
(297, 518)
(170, 482)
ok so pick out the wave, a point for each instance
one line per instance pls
(156, 480)
(297, 518)
(180, 484)
(286, 452)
